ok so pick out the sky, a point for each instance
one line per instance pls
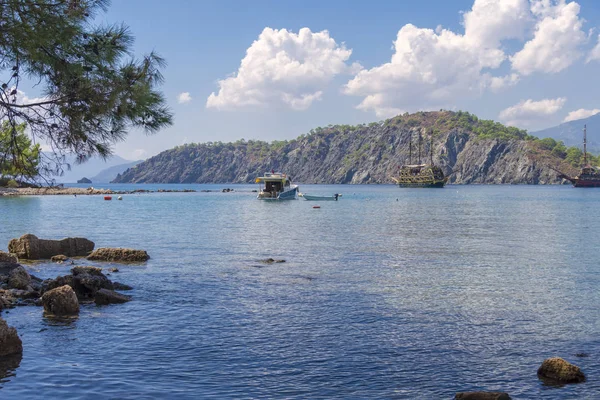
(273, 70)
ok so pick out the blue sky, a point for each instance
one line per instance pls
(318, 82)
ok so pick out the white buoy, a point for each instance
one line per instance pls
(120, 198)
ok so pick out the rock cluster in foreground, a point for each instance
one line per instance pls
(30, 247)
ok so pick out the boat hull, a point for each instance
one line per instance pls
(319, 198)
(286, 195)
(585, 183)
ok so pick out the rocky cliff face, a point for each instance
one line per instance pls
(470, 152)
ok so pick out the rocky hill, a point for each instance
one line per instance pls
(571, 133)
(471, 151)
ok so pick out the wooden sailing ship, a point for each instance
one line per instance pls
(589, 176)
(420, 175)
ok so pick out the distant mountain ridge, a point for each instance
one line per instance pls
(108, 174)
(90, 168)
(571, 133)
(468, 149)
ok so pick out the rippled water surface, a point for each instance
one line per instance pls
(388, 293)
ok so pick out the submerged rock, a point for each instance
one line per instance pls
(118, 255)
(30, 247)
(482, 396)
(121, 286)
(59, 258)
(7, 299)
(113, 269)
(105, 296)
(10, 343)
(61, 302)
(8, 257)
(559, 370)
(271, 261)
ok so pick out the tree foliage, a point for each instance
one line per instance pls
(93, 90)
(19, 158)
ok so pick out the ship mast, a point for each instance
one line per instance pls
(585, 163)
(431, 149)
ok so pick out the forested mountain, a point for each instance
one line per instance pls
(468, 149)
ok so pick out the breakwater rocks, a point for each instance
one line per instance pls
(118, 255)
(30, 247)
(56, 191)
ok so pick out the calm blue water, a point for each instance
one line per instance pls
(388, 293)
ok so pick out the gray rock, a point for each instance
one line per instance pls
(482, 396)
(31, 248)
(119, 255)
(60, 302)
(558, 370)
(19, 278)
(121, 286)
(10, 343)
(88, 280)
(8, 257)
(105, 296)
(59, 258)
(50, 284)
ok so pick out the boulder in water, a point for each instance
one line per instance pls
(50, 284)
(121, 286)
(118, 255)
(88, 280)
(19, 279)
(8, 257)
(105, 296)
(60, 302)
(558, 370)
(10, 342)
(29, 247)
(59, 258)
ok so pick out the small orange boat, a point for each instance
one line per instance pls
(107, 198)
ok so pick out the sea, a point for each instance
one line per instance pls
(387, 293)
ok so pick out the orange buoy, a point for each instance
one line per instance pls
(316, 206)
(107, 198)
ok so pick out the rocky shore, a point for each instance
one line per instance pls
(64, 191)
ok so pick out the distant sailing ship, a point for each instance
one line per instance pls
(420, 175)
(589, 176)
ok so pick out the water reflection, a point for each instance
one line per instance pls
(8, 367)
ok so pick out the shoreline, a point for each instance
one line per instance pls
(48, 191)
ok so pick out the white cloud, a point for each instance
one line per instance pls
(595, 53)
(557, 39)
(430, 69)
(283, 67)
(528, 112)
(580, 114)
(498, 83)
(138, 154)
(184, 98)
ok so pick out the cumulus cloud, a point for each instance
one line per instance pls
(528, 112)
(580, 114)
(429, 69)
(557, 41)
(283, 67)
(595, 53)
(184, 98)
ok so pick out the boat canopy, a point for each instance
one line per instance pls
(274, 177)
